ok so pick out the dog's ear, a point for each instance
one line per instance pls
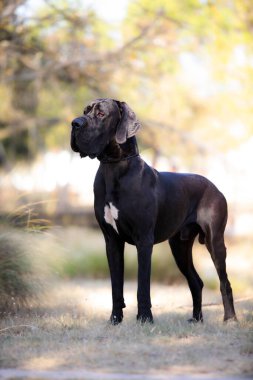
(128, 125)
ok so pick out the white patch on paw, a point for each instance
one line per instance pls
(111, 214)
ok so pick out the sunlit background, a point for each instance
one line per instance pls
(185, 68)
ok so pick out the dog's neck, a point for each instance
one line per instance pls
(115, 152)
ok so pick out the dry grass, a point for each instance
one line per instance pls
(70, 331)
(21, 276)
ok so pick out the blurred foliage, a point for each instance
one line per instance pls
(80, 253)
(31, 260)
(194, 64)
(184, 66)
(20, 280)
(88, 262)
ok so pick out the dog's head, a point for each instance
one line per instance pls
(103, 120)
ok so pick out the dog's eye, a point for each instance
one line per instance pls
(100, 114)
(87, 110)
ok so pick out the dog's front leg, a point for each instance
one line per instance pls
(144, 250)
(115, 257)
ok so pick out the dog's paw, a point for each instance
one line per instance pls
(194, 320)
(116, 318)
(230, 320)
(145, 317)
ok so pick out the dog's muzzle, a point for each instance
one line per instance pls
(79, 122)
(82, 139)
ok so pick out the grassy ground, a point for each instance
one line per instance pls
(69, 331)
(67, 327)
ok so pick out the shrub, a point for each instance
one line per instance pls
(19, 283)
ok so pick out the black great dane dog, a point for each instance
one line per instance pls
(136, 204)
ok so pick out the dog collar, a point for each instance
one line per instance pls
(111, 160)
(120, 152)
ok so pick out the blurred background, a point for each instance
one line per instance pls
(186, 69)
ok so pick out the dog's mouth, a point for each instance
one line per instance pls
(92, 155)
(84, 151)
(91, 147)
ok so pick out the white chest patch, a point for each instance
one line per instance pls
(111, 215)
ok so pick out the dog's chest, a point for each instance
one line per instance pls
(115, 204)
(111, 215)
(117, 217)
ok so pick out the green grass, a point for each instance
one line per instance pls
(30, 259)
(82, 254)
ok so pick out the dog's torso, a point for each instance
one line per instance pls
(132, 198)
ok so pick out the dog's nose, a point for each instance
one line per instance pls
(79, 122)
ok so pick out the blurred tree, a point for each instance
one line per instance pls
(185, 67)
(192, 71)
(51, 61)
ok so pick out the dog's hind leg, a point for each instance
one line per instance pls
(212, 218)
(216, 246)
(182, 252)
